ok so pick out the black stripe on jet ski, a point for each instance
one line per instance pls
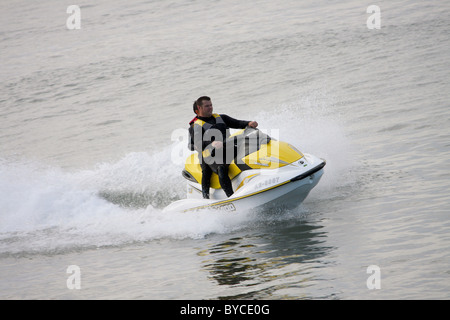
(310, 172)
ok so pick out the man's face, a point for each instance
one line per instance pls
(206, 109)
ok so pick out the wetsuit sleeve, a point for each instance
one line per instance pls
(191, 138)
(234, 123)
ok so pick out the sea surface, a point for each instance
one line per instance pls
(93, 128)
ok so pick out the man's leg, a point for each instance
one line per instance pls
(206, 179)
(224, 180)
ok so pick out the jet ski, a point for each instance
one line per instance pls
(265, 174)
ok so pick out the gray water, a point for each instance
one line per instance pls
(93, 121)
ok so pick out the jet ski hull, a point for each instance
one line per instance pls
(287, 194)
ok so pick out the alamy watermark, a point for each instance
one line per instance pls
(374, 20)
(73, 22)
(374, 280)
(74, 280)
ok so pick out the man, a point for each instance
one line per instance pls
(209, 131)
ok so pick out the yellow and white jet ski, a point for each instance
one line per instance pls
(265, 173)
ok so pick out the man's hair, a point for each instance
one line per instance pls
(199, 102)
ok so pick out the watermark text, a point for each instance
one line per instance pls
(374, 20)
(73, 22)
(374, 280)
(74, 280)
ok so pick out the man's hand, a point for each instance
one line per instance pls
(217, 144)
(253, 124)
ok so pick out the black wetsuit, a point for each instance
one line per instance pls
(199, 144)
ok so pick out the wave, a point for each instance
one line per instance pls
(47, 210)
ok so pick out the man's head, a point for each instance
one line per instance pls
(203, 107)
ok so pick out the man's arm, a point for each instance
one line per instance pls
(234, 123)
(196, 139)
(191, 145)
